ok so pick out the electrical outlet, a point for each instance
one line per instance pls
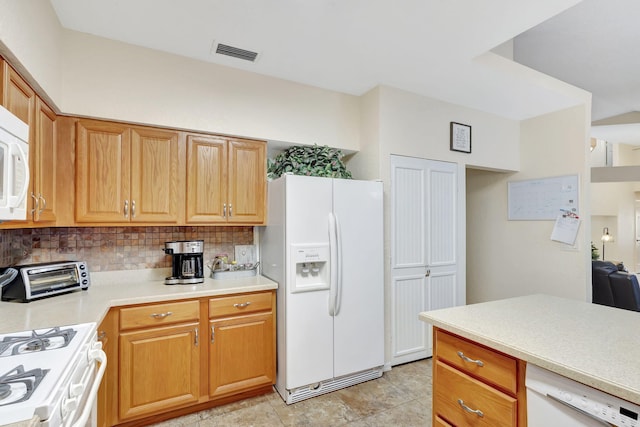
(245, 254)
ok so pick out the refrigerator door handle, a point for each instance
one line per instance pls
(333, 264)
(336, 304)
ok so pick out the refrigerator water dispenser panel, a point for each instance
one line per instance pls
(310, 267)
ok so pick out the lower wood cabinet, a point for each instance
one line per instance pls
(242, 343)
(175, 357)
(476, 385)
(159, 369)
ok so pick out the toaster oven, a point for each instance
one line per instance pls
(24, 283)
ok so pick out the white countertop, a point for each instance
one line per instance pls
(590, 343)
(116, 288)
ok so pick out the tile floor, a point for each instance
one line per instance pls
(401, 398)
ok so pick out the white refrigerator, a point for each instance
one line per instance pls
(323, 244)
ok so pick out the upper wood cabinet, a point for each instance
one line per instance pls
(126, 174)
(21, 100)
(18, 97)
(226, 180)
(44, 165)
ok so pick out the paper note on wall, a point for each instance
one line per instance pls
(565, 229)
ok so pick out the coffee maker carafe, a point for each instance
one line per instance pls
(186, 262)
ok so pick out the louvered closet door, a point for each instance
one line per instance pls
(423, 250)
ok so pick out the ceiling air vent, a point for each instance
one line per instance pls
(236, 52)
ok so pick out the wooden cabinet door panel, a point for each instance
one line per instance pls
(206, 179)
(154, 175)
(102, 172)
(247, 181)
(159, 370)
(241, 354)
(18, 97)
(45, 162)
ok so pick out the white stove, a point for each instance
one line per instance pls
(51, 373)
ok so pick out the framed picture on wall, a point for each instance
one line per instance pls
(460, 137)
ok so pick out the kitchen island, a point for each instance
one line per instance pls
(113, 289)
(593, 344)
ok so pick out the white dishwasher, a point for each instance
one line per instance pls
(554, 400)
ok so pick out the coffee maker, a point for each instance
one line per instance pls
(186, 262)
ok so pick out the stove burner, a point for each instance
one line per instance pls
(17, 385)
(37, 345)
(36, 341)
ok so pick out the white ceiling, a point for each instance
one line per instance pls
(595, 46)
(437, 48)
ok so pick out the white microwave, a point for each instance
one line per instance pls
(14, 166)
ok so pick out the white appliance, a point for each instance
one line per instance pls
(554, 400)
(14, 166)
(51, 374)
(323, 244)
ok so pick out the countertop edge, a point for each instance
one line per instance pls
(114, 290)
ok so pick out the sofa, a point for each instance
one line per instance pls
(614, 287)
(601, 292)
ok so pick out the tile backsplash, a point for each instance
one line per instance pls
(114, 248)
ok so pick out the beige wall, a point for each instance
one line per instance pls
(106, 78)
(514, 258)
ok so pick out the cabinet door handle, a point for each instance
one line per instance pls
(467, 359)
(196, 340)
(224, 210)
(126, 209)
(35, 204)
(102, 335)
(133, 209)
(230, 210)
(160, 315)
(213, 334)
(478, 412)
(242, 305)
(44, 203)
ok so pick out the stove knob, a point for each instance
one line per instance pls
(76, 390)
(68, 406)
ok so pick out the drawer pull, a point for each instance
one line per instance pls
(478, 412)
(160, 315)
(467, 359)
(196, 339)
(213, 335)
(242, 305)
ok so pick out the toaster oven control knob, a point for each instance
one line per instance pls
(85, 281)
(82, 267)
(84, 274)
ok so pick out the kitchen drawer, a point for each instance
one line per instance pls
(455, 388)
(497, 368)
(159, 314)
(239, 304)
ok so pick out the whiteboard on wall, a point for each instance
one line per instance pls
(542, 199)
